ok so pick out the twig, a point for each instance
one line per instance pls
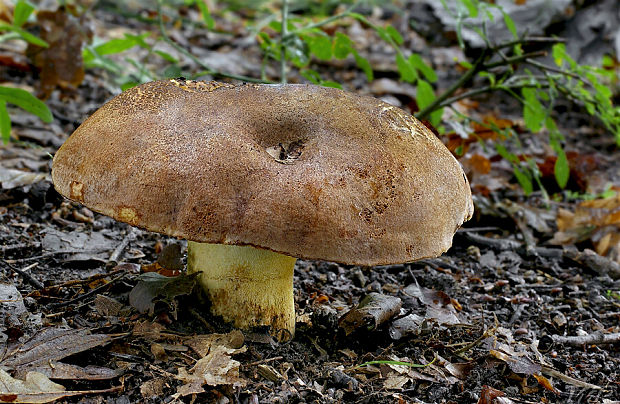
(260, 362)
(455, 86)
(597, 263)
(530, 39)
(27, 277)
(587, 258)
(495, 243)
(487, 89)
(596, 338)
(19, 246)
(283, 33)
(116, 254)
(196, 60)
(345, 13)
(557, 70)
(87, 294)
(514, 59)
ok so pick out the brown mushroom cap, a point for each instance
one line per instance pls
(307, 171)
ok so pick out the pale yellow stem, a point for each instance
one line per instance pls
(247, 286)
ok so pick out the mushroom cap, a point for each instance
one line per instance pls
(307, 171)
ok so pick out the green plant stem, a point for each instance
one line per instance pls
(345, 13)
(199, 62)
(514, 59)
(486, 89)
(283, 34)
(557, 70)
(455, 86)
(531, 39)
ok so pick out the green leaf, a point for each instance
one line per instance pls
(206, 15)
(166, 56)
(524, 180)
(330, 83)
(510, 24)
(22, 11)
(5, 123)
(472, 7)
(561, 169)
(319, 45)
(128, 85)
(312, 75)
(25, 35)
(394, 34)
(424, 97)
(383, 34)
(558, 51)
(118, 45)
(418, 63)
(533, 112)
(407, 73)
(26, 101)
(342, 45)
(364, 64)
(465, 64)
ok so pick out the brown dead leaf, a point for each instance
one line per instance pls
(517, 363)
(479, 164)
(374, 310)
(65, 371)
(489, 394)
(216, 368)
(50, 345)
(546, 383)
(202, 344)
(148, 330)
(60, 64)
(596, 220)
(153, 388)
(37, 388)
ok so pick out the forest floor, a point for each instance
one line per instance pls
(503, 317)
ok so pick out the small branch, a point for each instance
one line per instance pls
(27, 277)
(116, 254)
(514, 59)
(482, 90)
(19, 246)
(283, 33)
(345, 13)
(596, 338)
(455, 86)
(531, 39)
(556, 70)
(87, 294)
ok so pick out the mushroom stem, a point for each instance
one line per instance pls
(247, 286)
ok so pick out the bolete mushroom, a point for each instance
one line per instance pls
(255, 176)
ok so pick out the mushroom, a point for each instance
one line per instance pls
(255, 176)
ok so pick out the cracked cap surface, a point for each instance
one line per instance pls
(307, 171)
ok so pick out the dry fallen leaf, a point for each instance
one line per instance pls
(50, 345)
(216, 368)
(36, 388)
(374, 310)
(596, 220)
(61, 63)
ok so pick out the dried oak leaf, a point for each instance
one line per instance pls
(61, 64)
